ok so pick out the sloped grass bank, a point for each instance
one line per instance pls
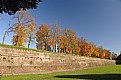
(98, 73)
(17, 47)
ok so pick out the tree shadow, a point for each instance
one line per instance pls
(93, 76)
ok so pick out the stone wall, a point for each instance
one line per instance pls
(17, 61)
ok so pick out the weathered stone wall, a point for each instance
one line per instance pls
(16, 61)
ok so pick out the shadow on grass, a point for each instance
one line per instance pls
(93, 76)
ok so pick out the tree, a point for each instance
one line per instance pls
(10, 29)
(95, 53)
(12, 6)
(114, 56)
(21, 28)
(76, 47)
(90, 49)
(107, 54)
(55, 33)
(119, 57)
(83, 46)
(43, 37)
(68, 41)
(20, 36)
(101, 52)
(31, 29)
(63, 41)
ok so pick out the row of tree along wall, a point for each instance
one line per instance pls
(17, 61)
(52, 38)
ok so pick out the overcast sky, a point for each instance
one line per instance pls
(99, 21)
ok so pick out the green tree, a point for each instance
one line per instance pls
(12, 6)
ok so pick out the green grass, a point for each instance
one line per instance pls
(99, 73)
(17, 47)
(30, 49)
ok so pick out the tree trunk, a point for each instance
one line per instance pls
(16, 42)
(4, 37)
(29, 41)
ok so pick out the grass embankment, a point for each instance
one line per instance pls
(29, 49)
(99, 73)
(17, 47)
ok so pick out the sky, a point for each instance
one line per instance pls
(99, 21)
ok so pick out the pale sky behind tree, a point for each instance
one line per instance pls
(99, 21)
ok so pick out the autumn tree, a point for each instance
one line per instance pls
(68, 41)
(90, 49)
(87, 48)
(21, 28)
(107, 54)
(20, 36)
(83, 46)
(76, 48)
(43, 37)
(95, 53)
(101, 52)
(31, 29)
(84, 49)
(55, 33)
(63, 41)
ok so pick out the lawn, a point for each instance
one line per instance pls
(99, 73)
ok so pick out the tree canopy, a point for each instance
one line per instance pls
(53, 38)
(11, 6)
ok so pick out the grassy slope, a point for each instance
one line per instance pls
(17, 47)
(29, 49)
(99, 73)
